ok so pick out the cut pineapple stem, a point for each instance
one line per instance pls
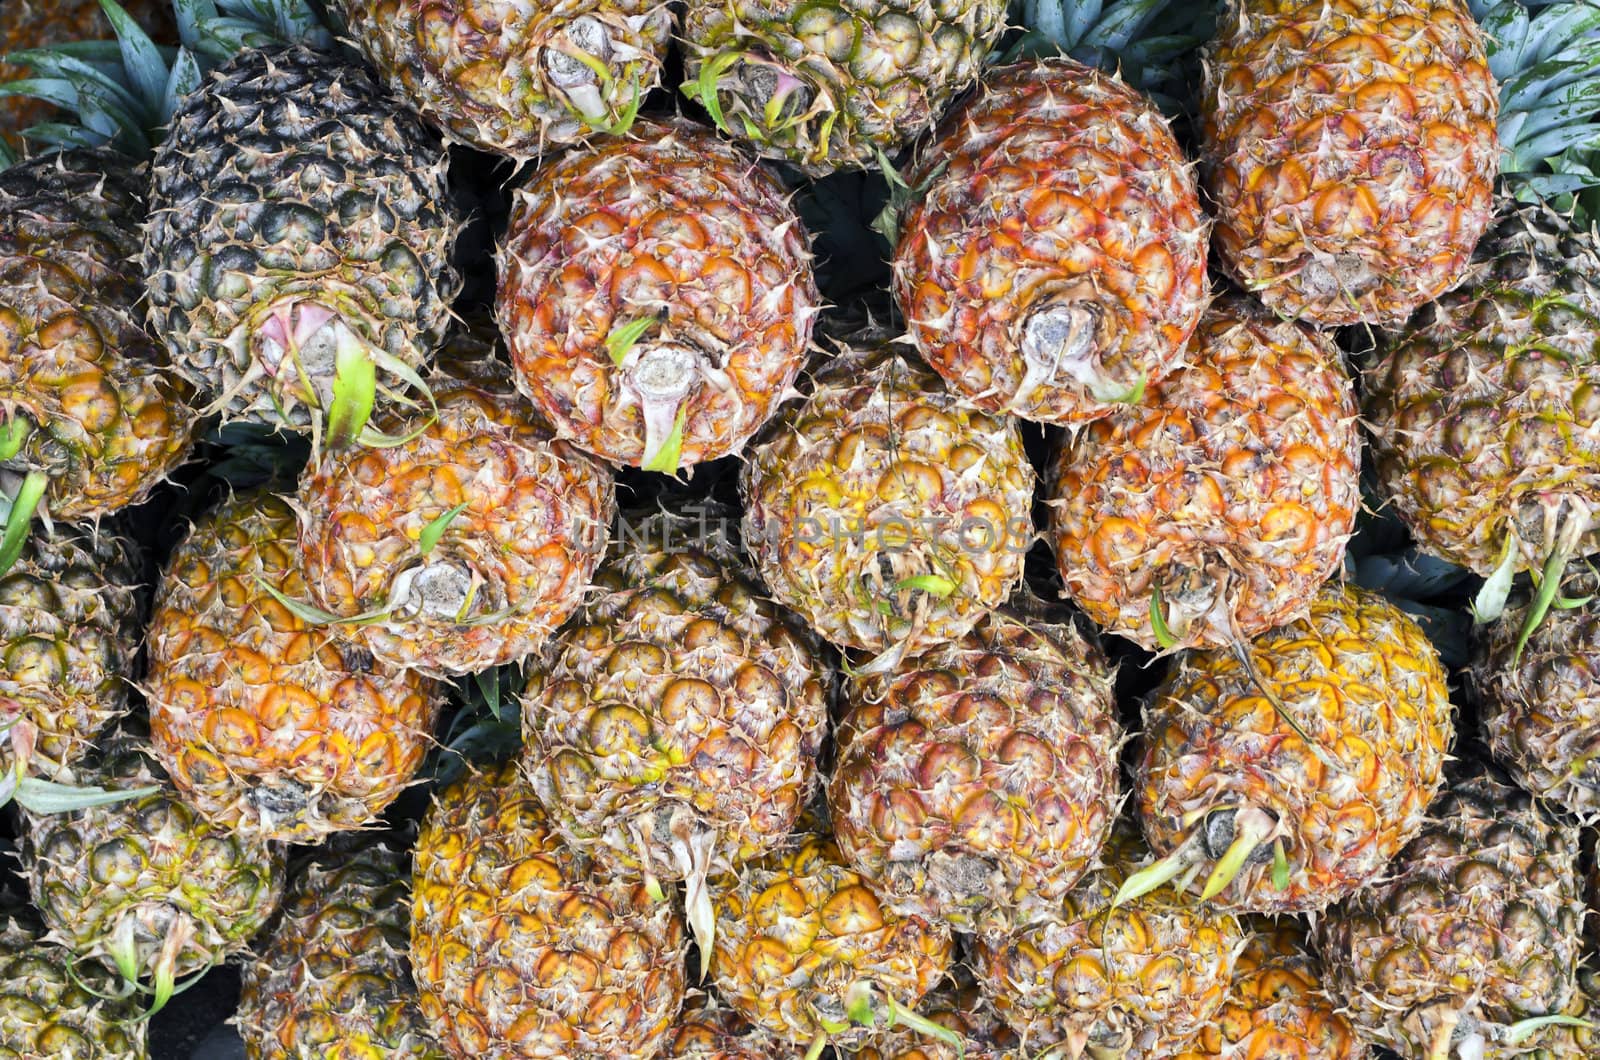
(1252, 828)
(1439, 1048)
(663, 376)
(19, 520)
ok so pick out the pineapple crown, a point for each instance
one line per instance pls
(1545, 56)
(123, 92)
(1148, 43)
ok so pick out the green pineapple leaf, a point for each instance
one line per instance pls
(19, 519)
(1280, 867)
(622, 339)
(146, 67)
(428, 540)
(1158, 621)
(933, 584)
(666, 458)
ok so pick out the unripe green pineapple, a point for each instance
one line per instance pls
(299, 241)
(51, 1007)
(834, 84)
(146, 885)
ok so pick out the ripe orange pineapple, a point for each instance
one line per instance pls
(1285, 789)
(1218, 505)
(886, 511)
(268, 724)
(463, 546)
(1351, 152)
(1056, 263)
(657, 296)
(805, 950)
(977, 781)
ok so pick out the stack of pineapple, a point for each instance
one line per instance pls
(633, 640)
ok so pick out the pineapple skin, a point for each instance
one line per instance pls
(709, 1030)
(1139, 981)
(269, 725)
(149, 868)
(521, 949)
(1541, 712)
(1477, 925)
(976, 783)
(510, 566)
(1483, 412)
(51, 1008)
(1057, 262)
(1278, 1006)
(109, 419)
(681, 706)
(863, 77)
(71, 622)
(1363, 682)
(1351, 152)
(1231, 488)
(508, 81)
(334, 983)
(880, 478)
(672, 224)
(798, 929)
(295, 208)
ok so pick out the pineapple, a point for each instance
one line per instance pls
(657, 296)
(1278, 1007)
(333, 983)
(1540, 697)
(91, 419)
(891, 515)
(1351, 152)
(269, 725)
(1214, 509)
(672, 730)
(521, 949)
(959, 1006)
(70, 628)
(463, 546)
(53, 1008)
(516, 80)
(1055, 265)
(146, 885)
(805, 951)
(1470, 940)
(298, 245)
(710, 1030)
(832, 85)
(1482, 412)
(978, 781)
(1134, 981)
(1296, 770)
